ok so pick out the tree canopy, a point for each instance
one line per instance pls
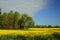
(15, 20)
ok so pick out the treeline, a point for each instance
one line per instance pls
(46, 26)
(15, 20)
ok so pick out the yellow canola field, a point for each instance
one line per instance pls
(31, 31)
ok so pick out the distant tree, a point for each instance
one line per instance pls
(10, 20)
(49, 26)
(0, 10)
(43, 26)
(16, 18)
(1, 19)
(26, 21)
(57, 26)
(37, 26)
(30, 22)
(5, 20)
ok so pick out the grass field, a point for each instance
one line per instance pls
(31, 31)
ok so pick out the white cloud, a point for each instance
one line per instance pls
(23, 6)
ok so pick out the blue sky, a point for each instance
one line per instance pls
(50, 15)
(44, 12)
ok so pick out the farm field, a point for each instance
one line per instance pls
(31, 31)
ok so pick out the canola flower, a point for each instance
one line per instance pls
(31, 31)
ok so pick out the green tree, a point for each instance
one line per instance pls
(0, 10)
(26, 21)
(37, 26)
(49, 26)
(57, 26)
(16, 18)
(5, 20)
(10, 18)
(1, 19)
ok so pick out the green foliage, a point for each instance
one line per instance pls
(45, 26)
(0, 10)
(54, 36)
(26, 21)
(5, 20)
(13, 20)
(10, 19)
(1, 21)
